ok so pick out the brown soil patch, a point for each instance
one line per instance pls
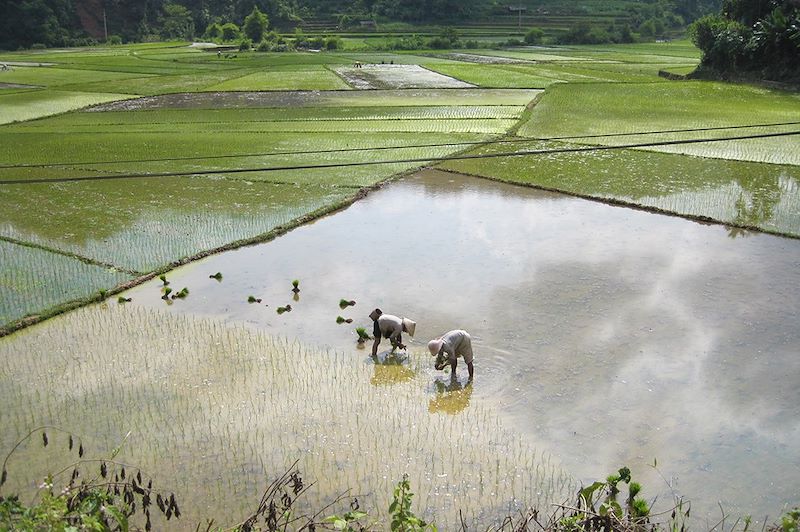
(213, 100)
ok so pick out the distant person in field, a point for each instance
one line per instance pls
(391, 327)
(450, 346)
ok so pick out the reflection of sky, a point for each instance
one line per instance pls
(606, 335)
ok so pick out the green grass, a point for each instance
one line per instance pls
(32, 280)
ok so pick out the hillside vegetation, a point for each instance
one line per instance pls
(49, 23)
(751, 39)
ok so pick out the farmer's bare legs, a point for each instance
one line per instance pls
(375, 345)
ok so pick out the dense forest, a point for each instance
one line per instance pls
(751, 38)
(48, 23)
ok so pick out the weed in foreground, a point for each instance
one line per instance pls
(88, 494)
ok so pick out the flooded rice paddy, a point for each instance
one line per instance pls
(604, 337)
(390, 76)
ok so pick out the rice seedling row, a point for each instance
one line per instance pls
(354, 171)
(275, 115)
(324, 99)
(466, 125)
(34, 104)
(736, 192)
(145, 224)
(494, 76)
(59, 77)
(230, 408)
(317, 79)
(624, 108)
(32, 280)
(130, 152)
(781, 150)
(152, 84)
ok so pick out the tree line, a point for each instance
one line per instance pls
(52, 23)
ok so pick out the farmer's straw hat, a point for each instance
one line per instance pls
(375, 314)
(409, 326)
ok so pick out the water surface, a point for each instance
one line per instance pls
(613, 336)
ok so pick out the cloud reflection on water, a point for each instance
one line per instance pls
(606, 335)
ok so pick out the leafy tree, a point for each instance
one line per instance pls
(584, 33)
(28, 22)
(177, 22)
(626, 34)
(213, 32)
(230, 32)
(745, 11)
(769, 47)
(534, 36)
(255, 25)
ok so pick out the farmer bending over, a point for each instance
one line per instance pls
(391, 327)
(449, 347)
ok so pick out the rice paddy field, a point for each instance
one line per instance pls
(120, 163)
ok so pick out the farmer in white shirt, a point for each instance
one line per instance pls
(449, 347)
(391, 327)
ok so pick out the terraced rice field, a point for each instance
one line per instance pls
(226, 166)
(120, 163)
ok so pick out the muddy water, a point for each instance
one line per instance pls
(605, 336)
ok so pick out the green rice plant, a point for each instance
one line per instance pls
(143, 224)
(159, 119)
(743, 193)
(33, 280)
(253, 299)
(623, 108)
(316, 78)
(597, 503)
(36, 104)
(344, 303)
(61, 77)
(362, 334)
(494, 76)
(147, 84)
(217, 276)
